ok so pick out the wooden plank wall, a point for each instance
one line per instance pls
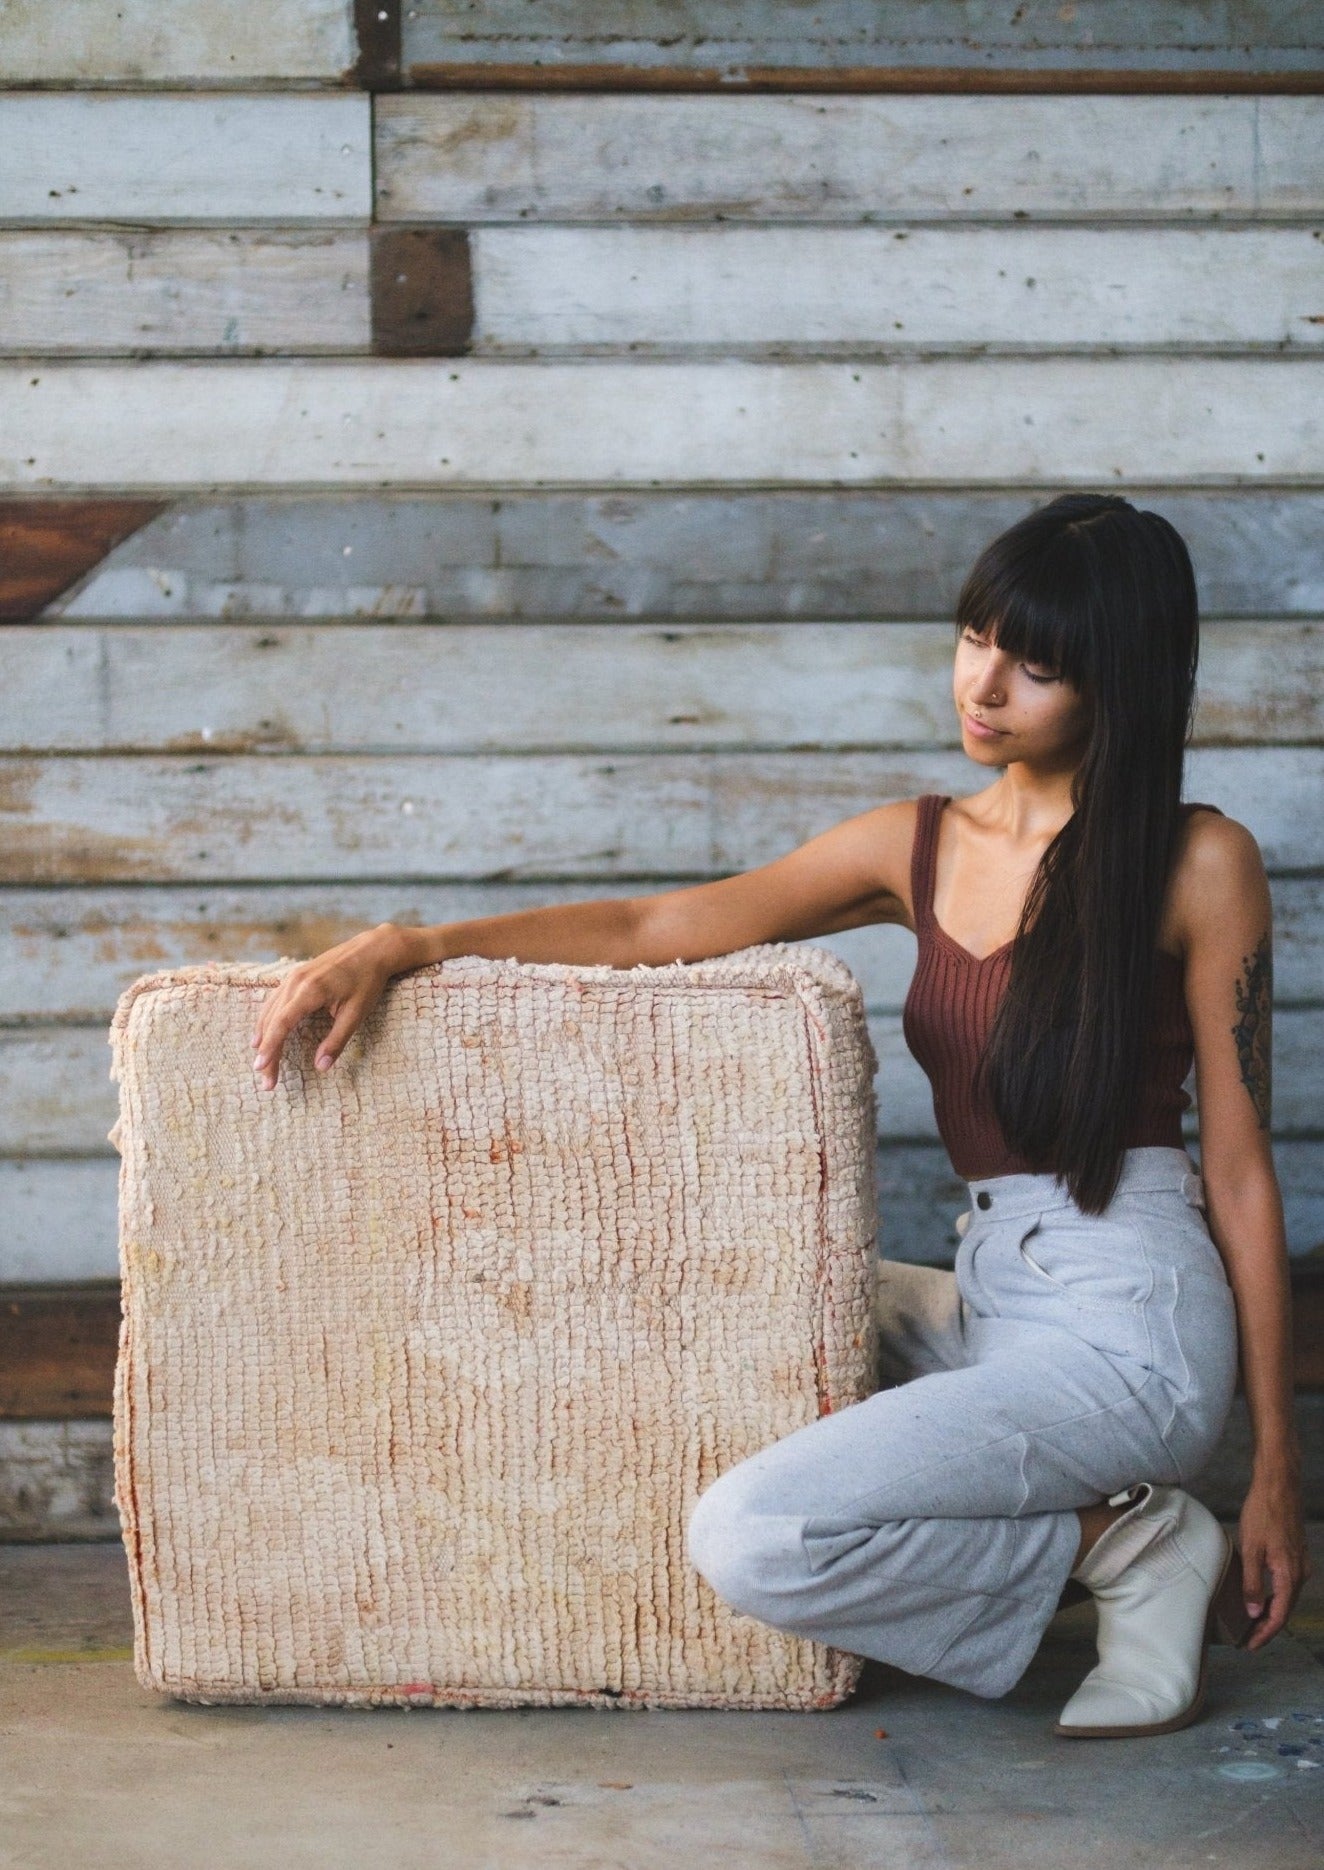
(456, 460)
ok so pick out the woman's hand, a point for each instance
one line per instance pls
(348, 980)
(1275, 1560)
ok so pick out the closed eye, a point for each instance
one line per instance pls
(979, 643)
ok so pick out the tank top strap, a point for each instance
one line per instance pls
(923, 858)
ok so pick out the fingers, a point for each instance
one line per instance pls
(1278, 1586)
(294, 1002)
(346, 1020)
(294, 999)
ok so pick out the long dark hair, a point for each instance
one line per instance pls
(1104, 594)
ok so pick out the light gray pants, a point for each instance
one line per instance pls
(933, 1525)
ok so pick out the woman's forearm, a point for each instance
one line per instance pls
(1247, 1226)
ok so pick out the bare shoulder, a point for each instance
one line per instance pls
(1218, 871)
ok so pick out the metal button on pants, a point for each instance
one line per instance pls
(1067, 1356)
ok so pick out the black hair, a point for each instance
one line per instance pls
(1103, 594)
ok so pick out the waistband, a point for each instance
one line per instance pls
(1153, 1167)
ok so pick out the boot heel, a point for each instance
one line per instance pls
(1233, 1623)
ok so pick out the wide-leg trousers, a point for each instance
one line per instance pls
(933, 1525)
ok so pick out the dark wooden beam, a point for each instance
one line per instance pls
(46, 545)
(377, 30)
(57, 1349)
(422, 292)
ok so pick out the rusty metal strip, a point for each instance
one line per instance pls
(377, 30)
(47, 545)
(422, 292)
(843, 79)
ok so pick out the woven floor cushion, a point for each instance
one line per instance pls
(424, 1361)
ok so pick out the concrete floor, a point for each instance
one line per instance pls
(99, 1773)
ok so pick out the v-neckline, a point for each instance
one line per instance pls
(967, 954)
(977, 960)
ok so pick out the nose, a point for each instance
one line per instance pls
(987, 684)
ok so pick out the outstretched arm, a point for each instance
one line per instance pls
(1228, 921)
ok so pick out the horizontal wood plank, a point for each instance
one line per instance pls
(863, 290)
(522, 688)
(61, 1212)
(56, 1098)
(155, 292)
(705, 554)
(58, 1345)
(647, 42)
(179, 157)
(68, 954)
(139, 42)
(1113, 421)
(623, 816)
(505, 157)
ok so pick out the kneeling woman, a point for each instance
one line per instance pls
(1083, 935)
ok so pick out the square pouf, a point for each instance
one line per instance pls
(425, 1360)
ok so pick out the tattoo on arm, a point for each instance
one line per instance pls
(1253, 1029)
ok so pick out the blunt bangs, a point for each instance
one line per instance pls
(1035, 591)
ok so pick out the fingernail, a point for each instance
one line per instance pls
(323, 1062)
(259, 1061)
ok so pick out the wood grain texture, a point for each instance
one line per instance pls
(422, 292)
(139, 42)
(159, 292)
(505, 157)
(48, 545)
(1112, 421)
(697, 554)
(861, 290)
(184, 157)
(524, 687)
(491, 817)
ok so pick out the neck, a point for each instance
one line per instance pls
(1029, 806)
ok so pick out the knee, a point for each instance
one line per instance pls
(726, 1546)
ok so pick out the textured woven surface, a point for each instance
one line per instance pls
(425, 1360)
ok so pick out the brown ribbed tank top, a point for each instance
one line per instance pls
(949, 1009)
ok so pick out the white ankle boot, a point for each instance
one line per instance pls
(1164, 1576)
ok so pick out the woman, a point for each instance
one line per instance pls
(1082, 937)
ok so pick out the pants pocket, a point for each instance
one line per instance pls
(1103, 1265)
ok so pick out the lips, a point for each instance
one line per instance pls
(980, 731)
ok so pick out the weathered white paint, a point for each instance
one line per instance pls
(88, 294)
(60, 1220)
(93, 42)
(482, 688)
(864, 289)
(491, 817)
(507, 157)
(55, 1098)
(696, 554)
(456, 422)
(68, 954)
(84, 156)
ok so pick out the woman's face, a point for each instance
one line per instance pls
(1038, 716)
